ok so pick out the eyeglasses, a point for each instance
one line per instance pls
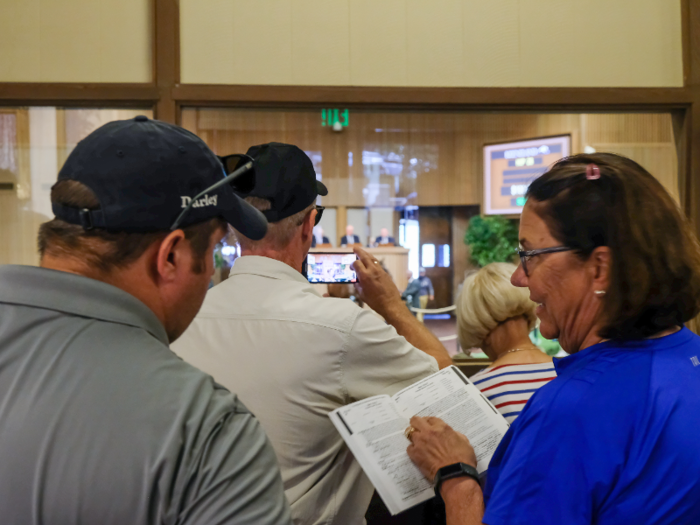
(319, 214)
(526, 255)
(234, 176)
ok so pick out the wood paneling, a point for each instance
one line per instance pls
(33, 94)
(436, 228)
(166, 61)
(460, 251)
(471, 98)
(428, 158)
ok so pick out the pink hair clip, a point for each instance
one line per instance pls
(592, 172)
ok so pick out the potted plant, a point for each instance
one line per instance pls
(491, 239)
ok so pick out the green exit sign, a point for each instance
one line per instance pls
(330, 116)
(520, 201)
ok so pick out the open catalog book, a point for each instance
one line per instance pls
(374, 431)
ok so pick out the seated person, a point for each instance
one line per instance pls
(349, 238)
(384, 238)
(318, 237)
(497, 317)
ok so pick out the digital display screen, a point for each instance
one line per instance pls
(509, 168)
(331, 267)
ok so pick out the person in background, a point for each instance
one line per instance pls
(497, 317)
(412, 292)
(294, 356)
(426, 291)
(384, 238)
(318, 237)
(100, 422)
(615, 269)
(349, 238)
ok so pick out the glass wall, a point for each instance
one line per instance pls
(34, 143)
(419, 174)
(384, 167)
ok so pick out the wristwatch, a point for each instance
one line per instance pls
(456, 470)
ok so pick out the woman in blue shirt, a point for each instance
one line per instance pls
(615, 269)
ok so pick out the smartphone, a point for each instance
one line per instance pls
(322, 267)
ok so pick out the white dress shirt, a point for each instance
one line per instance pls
(294, 356)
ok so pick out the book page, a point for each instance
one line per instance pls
(374, 431)
(450, 396)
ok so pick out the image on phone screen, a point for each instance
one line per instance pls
(330, 267)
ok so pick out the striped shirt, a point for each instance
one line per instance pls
(509, 387)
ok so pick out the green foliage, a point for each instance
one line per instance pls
(491, 239)
(549, 346)
(219, 261)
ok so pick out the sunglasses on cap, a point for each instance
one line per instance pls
(240, 177)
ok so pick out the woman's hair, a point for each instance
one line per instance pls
(655, 268)
(487, 299)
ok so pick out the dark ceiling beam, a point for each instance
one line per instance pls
(646, 99)
(33, 93)
(166, 56)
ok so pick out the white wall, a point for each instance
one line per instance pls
(532, 43)
(75, 41)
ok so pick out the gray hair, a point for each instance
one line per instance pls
(280, 233)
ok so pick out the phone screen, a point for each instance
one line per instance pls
(330, 267)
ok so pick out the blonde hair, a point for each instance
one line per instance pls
(279, 234)
(488, 299)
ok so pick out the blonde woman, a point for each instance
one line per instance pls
(497, 317)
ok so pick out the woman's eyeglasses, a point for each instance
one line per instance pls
(526, 255)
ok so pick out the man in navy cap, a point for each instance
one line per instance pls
(100, 422)
(295, 356)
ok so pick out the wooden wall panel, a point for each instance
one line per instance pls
(461, 262)
(429, 158)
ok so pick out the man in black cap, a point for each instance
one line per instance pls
(99, 421)
(295, 356)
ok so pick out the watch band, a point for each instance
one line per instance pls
(456, 470)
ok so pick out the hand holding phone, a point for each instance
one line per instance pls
(375, 286)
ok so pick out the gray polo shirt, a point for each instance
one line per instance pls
(101, 423)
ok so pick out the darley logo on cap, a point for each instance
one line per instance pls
(199, 203)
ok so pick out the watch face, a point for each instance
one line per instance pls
(451, 469)
(457, 469)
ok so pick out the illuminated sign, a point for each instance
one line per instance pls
(509, 168)
(331, 116)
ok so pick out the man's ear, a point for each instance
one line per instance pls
(173, 255)
(601, 261)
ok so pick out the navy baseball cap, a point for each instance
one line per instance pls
(145, 172)
(285, 176)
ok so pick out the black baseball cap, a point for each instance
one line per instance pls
(144, 173)
(285, 176)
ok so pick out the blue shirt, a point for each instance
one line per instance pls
(615, 439)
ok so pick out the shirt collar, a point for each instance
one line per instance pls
(580, 359)
(76, 295)
(266, 267)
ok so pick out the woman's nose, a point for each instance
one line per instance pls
(519, 278)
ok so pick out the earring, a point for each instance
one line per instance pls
(599, 292)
